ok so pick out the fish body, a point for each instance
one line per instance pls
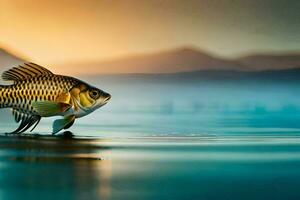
(38, 93)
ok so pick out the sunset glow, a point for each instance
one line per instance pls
(52, 32)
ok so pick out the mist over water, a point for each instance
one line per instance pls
(187, 106)
(151, 105)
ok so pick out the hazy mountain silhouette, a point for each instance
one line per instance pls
(186, 60)
(172, 61)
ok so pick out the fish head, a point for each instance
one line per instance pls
(88, 98)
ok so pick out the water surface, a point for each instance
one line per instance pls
(206, 167)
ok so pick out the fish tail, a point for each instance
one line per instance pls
(3, 96)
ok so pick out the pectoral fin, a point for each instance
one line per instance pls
(50, 108)
(64, 123)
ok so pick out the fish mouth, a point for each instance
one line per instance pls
(107, 98)
(87, 110)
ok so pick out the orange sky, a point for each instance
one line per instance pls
(58, 31)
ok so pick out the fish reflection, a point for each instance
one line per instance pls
(77, 165)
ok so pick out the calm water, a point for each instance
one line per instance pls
(164, 140)
(219, 167)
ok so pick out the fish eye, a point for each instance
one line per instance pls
(94, 94)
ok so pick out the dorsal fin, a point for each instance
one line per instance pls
(24, 72)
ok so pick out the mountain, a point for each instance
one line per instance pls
(172, 61)
(184, 60)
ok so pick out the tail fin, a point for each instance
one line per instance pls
(3, 96)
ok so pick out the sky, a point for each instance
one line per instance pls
(61, 31)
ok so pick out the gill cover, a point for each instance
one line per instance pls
(81, 97)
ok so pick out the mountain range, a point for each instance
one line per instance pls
(171, 61)
(186, 60)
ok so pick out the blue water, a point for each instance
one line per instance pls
(164, 140)
(227, 167)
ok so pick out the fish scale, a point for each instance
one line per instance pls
(21, 95)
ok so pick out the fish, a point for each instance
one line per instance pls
(36, 92)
